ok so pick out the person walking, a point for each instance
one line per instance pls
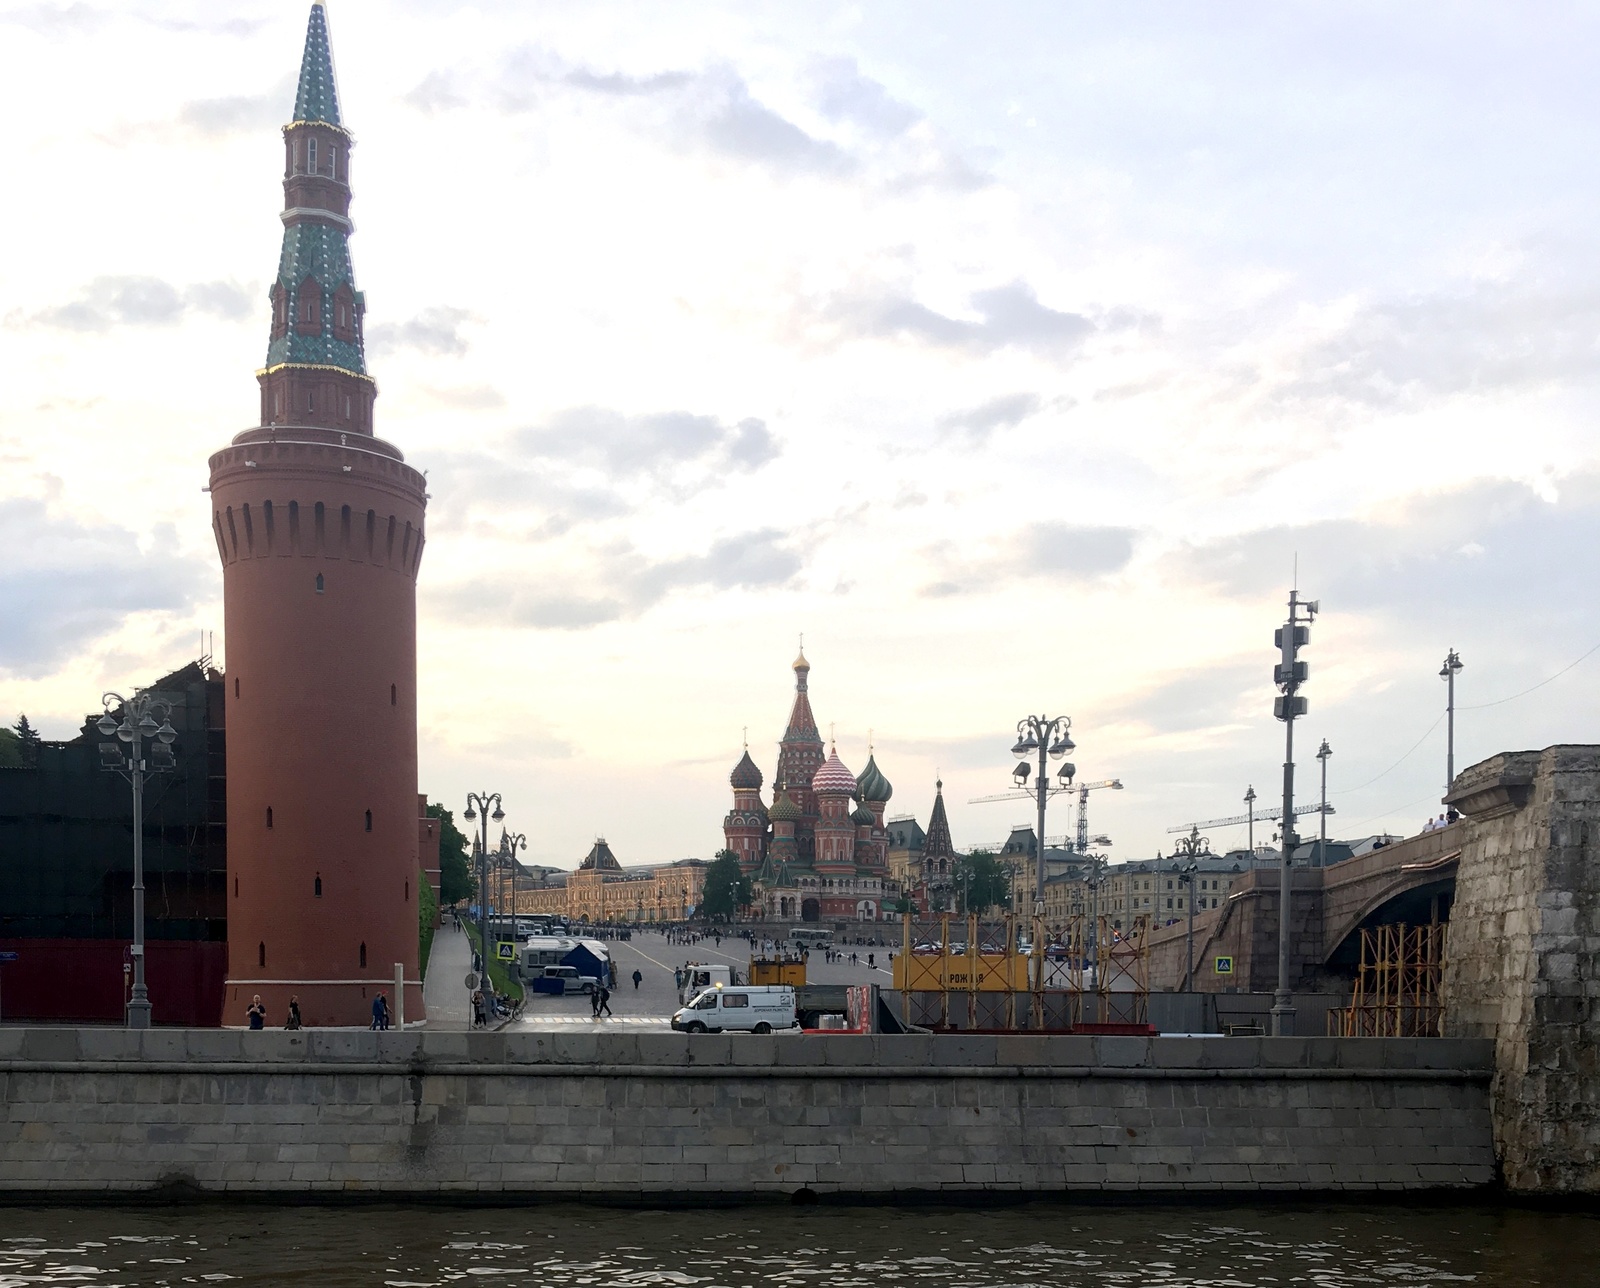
(604, 996)
(478, 1020)
(380, 1012)
(594, 999)
(257, 1013)
(293, 1021)
(637, 980)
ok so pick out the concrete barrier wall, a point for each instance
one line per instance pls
(653, 1116)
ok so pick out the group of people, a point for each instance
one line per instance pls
(256, 1013)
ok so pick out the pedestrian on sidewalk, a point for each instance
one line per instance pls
(603, 1002)
(257, 1013)
(637, 980)
(294, 1013)
(594, 999)
(380, 1012)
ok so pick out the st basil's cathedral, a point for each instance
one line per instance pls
(819, 852)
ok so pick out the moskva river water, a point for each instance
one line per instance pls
(1396, 1245)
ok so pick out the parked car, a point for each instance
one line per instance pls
(570, 980)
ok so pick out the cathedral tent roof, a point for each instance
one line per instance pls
(937, 844)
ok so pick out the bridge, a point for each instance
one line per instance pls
(1411, 881)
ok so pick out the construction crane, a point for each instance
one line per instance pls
(1081, 845)
(1257, 816)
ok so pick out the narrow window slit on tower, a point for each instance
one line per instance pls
(369, 820)
(394, 696)
(261, 953)
(363, 956)
(316, 886)
(319, 583)
(269, 816)
(236, 686)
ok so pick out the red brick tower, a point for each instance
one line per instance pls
(320, 529)
(834, 785)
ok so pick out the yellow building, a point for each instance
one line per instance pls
(603, 890)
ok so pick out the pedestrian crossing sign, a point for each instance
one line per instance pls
(506, 952)
(1223, 965)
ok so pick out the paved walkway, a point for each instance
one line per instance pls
(444, 992)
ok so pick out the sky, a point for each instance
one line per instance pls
(1020, 356)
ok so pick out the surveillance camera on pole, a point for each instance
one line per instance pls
(1288, 675)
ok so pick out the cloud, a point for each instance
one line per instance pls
(624, 445)
(109, 302)
(1058, 551)
(619, 583)
(1443, 554)
(977, 423)
(435, 330)
(1492, 338)
(1009, 316)
(65, 584)
(236, 114)
(844, 94)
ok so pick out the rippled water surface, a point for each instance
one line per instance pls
(815, 1247)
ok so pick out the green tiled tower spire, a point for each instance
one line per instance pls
(316, 369)
(318, 97)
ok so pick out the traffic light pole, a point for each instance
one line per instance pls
(1290, 674)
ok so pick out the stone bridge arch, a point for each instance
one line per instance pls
(1415, 895)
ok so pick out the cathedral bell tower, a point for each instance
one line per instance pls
(319, 526)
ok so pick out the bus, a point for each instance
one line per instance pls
(811, 936)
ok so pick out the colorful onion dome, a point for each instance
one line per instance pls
(872, 785)
(834, 777)
(861, 816)
(783, 809)
(746, 776)
(800, 663)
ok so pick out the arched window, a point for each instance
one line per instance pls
(261, 953)
(369, 820)
(316, 886)
(319, 583)
(311, 155)
(269, 816)
(394, 696)
(363, 956)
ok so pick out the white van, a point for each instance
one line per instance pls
(696, 977)
(741, 1008)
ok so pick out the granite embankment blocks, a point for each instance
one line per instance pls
(662, 1114)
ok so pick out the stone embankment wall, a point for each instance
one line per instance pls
(1523, 964)
(663, 1116)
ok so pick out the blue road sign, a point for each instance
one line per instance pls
(8, 957)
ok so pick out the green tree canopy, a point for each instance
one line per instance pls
(982, 881)
(11, 751)
(455, 873)
(727, 889)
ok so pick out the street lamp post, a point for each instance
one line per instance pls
(1323, 752)
(1447, 673)
(1050, 736)
(1097, 865)
(1186, 862)
(137, 727)
(478, 804)
(1288, 675)
(1250, 820)
(508, 853)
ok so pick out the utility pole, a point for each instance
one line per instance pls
(1289, 675)
(1447, 673)
(1323, 752)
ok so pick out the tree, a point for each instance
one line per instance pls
(455, 873)
(19, 745)
(11, 751)
(727, 889)
(983, 881)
